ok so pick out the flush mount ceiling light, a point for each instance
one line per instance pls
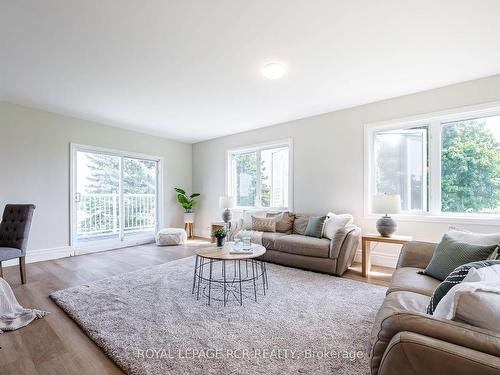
(273, 70)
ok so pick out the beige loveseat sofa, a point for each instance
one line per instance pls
(316, 254)
(405, 340)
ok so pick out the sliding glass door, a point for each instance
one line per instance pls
(139, 196)
(115, 199)
(97, 197)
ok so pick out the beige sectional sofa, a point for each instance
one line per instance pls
(294, 249)
(405, 340)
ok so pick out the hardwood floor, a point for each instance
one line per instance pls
(55, 344)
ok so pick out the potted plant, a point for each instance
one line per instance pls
(187, 202)
(220, 234)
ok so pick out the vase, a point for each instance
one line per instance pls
(220, 241)
(188, 217)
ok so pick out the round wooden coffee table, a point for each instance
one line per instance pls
(228, 279)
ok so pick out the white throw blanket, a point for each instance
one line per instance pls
(447, 307)
(12, 314)
(255, 236)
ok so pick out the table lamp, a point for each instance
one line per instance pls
(386, 204)
(226, 202)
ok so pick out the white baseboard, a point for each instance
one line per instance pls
(40, 255)
(97, 247)
(379, 258)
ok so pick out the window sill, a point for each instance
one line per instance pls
(455, 219)
(274, 209)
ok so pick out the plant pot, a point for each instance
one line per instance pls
(220, 241)
(189, 217)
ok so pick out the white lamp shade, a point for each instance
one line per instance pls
(226, 202)
(386, 204)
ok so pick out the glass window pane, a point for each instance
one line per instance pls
(274, 177)
(401, 166)
(139, 196)
(244, 178)
(97, 198)
(470, 166)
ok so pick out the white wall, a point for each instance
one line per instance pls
(35, 168)
(328, 158)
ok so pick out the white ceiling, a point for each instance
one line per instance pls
(189, 70)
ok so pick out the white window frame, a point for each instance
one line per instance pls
(433, 121)
(258, 148)
(77, 249)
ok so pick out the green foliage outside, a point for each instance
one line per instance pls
(265, 188)
(470, 168)
(139, 177)
(246, 171)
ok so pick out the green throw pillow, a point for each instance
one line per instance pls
(455, 277)
(315, 226)
(451, 254)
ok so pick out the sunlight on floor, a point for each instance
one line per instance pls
(380, 274)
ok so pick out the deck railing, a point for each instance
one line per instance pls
(99, 214)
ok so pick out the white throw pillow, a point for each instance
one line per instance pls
(476, 303)
(489, 273)
(335, 222)
(473, 238)
(247, 217)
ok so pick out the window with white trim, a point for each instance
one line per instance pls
(260, 176)
(447, 165)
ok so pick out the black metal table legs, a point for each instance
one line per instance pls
(227, 282)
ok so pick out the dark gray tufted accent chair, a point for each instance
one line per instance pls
(14, 231)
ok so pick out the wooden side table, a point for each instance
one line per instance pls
(188, 227)
(214, 227)
(366, 247)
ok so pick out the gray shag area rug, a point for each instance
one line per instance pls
(148, 322)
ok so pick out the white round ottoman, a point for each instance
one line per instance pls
(171, 237)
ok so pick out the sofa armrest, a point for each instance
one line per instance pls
(456, 333)
(414, 354)
(343, 247)
(416, 254)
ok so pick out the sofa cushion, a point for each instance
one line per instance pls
(300, 223)
(451, 254)
(454, 278)
(302, 245)
(397, 302)
(408, 279)
(474, 238)
(284, 221)
(263, 224)
(268, 239)
(475, 303)
(315, 226)
(335, 222)
(491, 273)
(247, 217)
